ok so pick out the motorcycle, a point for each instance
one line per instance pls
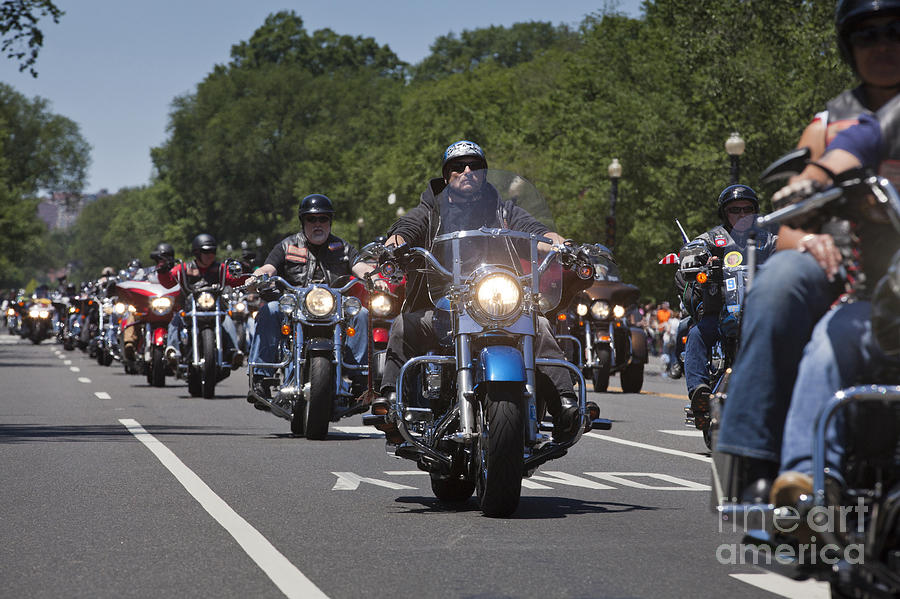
(203, 362)
(612, 344)
(107, 343)
(862, 558)
(312, 385)
(37, 321)
(470, 416)
(241, 308)
(152, 307)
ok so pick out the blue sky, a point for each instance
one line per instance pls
(114, 66)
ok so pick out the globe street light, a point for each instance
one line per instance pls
(615, 171)
(360, 223)
(734, 145)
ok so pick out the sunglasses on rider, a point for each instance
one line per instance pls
(323, 218)
(871, 36)
(740, 210)
(460, 166)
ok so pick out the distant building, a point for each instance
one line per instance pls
(61, 209)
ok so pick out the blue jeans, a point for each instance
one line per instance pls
(701, 338)
(173, 337)
(842, 350)
(789, 295)
(267, 331)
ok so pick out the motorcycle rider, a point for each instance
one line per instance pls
(738, 206)
(800, 282)
(163, 254)
(206, 268)
(843, 349)
(312, 255)
(463, 200)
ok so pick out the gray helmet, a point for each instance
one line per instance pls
(736, 192)
(315, 203)
(461, 149)
(850, 12)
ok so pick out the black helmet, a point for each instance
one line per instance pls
(850, 12)
(736, 192)
(886, 309)
(163, 251)
(461, 149)
(203, 242)
(315, 203)
(134, 263)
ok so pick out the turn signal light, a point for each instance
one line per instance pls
(351, 331)
(561, 316)
(285, 329)
(701, 277)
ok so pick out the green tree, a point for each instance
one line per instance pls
(22, 39)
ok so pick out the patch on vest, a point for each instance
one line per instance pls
(335, 246)
(720, 241)
(295, 254)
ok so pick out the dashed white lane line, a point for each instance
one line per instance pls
(780, 585)
(74, 369)
(687, 432)
(283, 573)
(683, 454)
(84, 379)
(102, 395)
(67, 362)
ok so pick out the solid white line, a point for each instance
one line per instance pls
(84, 379)
(780, 585)
(684, 433)
(102, 395)
(283, 573)
(683, 454)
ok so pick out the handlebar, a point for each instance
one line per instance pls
(283, 284)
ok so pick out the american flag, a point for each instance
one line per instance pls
(670, 259)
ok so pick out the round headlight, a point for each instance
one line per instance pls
(72, 310)
(619, 311)
(287, 303)
(352, 306)
(600, 310)
(161, 305)
(581, 309)
(33, 313)
(44, 314)
(206, 300)
(120, 308)
(381, 305)
(240, 307)
(319, 302)
(498, 296)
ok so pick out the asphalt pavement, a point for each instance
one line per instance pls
(113, 488)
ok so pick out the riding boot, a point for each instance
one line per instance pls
(567, 420)
(700, 406)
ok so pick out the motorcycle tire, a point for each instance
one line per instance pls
(156, 369)
(317, 411)
(452, 490)
(195, 386)
(633, 378)
(241, 329)
(107, 358)
(209, 368)
(499, 451)
(600, 373)
(68, 344)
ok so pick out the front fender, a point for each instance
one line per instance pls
(318, 345)
(500, 363)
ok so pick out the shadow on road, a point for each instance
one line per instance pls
(530, 508)
(24, 433)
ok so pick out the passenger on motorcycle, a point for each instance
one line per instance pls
(801, 281)
(843, 350)
(738, 206)
(312, 255)
(463, 200)
(206, 268)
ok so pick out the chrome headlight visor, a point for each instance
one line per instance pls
(319, 302)
(496, 297)
(206, 300)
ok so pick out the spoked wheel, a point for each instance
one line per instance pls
(156, 369)
(209, 368)
(600, 372)
(499, 451)
(320, 401)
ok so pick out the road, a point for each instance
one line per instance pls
(112, 488)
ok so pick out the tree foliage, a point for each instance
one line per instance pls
(22, 40)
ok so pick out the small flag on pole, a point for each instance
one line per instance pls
(670, 259)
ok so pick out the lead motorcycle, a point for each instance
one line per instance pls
(470, 415)
(863, 546)
(151, 306)
(312, 382)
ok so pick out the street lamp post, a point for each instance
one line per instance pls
(360, 223)
(734, 145)
(615, 171)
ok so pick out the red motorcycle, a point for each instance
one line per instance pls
(154, 306)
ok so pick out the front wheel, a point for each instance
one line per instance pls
(156, 370)
(209, 367)
(499, 451)
(320, 401)
(600, 372)
(633, 378)
(452, 490)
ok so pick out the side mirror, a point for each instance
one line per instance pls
(787, 166)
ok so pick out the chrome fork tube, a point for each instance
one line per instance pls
(195, 333)
(588, 343)
(464, 384)
(219, 345)
(338, 354)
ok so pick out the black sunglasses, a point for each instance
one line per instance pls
(317, 219)
(870, 36)
(460, 167)
(740, 210)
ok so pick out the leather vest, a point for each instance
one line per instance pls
(303, 266)
(844, 111)
(189, 275)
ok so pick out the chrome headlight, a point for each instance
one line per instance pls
(33, 313)
(497, 296)
(581, 309)
(10, 312)
(600, 310)
(240, 307)
(381, 305)
(206, 300)
(619, 311)
(352, 306)
(44, 313)
(287, 303)
(319, 302)
(120, 308)
(161, 305)
(72, 310)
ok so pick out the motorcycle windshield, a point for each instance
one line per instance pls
(481, 233)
